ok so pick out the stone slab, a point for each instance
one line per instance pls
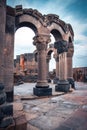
(17, 106)
(8, 121)
(78, 121)
(10, 127)
(42, 91)
(62, 86)
(20, 121)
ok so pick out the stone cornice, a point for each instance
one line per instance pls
(45, 20)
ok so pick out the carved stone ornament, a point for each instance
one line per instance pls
(45, 20)
(35, 13)
(41, 39)
(41, 46)
(61, 46)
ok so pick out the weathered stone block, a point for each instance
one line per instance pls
(2, 97)
(1, 86)
(10, 127)
(42, 91)
(1, 115)
(6, 109)
(62, 86)
(6, 122)
(20, 123)
(9, 95)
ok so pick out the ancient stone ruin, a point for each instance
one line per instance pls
(12, 19)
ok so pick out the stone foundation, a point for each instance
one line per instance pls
(6, 110)
(62, 86)
(9, 95)
(42, 91)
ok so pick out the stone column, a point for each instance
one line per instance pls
(56, 56)
(63, 84)
(42, 87)
(6, 111)
(9, 54)
(62, 49)
(69, 62)
(69, 67)
(48, 57)
(2, 36)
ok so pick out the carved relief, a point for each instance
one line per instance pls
(41, 46)
(48, 19)
(61, 46)
(41, 39)
(35, 13)
(45, 20)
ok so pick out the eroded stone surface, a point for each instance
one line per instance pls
(54, 112)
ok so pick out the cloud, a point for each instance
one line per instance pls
(24, 41)
(69, 11)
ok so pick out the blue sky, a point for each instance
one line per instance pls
(71, 11)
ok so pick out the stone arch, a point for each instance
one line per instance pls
(57, 35)
(13, 18)
(54, 28)
(26, 24)
(42, 25)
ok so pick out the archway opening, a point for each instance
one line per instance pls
(23, 41)
(24, 60)
(51, 53)
(54, 62)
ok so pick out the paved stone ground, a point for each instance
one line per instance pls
(65, 112)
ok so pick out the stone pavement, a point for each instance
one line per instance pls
(61, 112)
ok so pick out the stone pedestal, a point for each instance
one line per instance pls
(6, 110)
(62, 86)
(42, 91)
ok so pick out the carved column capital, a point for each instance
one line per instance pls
(61, 46)
(41, 38)
(41, 46)
(41, 41)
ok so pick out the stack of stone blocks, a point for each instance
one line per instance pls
(6, 111)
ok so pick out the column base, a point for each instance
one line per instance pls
(62, 86)
(42, 91)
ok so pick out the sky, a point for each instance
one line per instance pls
(71, 11)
